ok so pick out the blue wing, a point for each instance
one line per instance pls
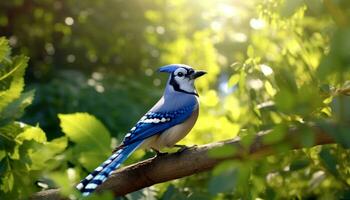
(153, 123)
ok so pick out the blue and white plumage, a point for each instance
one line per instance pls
(170, 120)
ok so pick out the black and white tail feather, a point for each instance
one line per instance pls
(102, 172)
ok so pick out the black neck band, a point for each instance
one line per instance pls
(177, 88)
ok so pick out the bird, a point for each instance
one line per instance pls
(166, 123)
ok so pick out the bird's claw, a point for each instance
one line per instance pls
(184, 147)
(159, 153)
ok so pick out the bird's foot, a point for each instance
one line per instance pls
(184, 147)
(159, 153)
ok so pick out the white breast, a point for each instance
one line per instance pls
(171, 136)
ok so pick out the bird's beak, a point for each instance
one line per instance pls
(198, 74)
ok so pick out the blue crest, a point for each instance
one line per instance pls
(171, 68)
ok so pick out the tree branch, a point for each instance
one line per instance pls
(191, 161)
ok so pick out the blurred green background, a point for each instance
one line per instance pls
(271, 64)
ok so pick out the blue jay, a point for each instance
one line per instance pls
(167, 122)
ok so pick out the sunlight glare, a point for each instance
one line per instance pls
(239, 37)
(257, 23)
(255, 84)
(266, 70)
(216, 25)
(227, 10)
(69, 21)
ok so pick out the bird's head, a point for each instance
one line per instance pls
(182, 77)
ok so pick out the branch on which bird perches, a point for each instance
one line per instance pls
(195, 160)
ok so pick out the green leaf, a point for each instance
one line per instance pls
(3, 168)
(224, 179)
(144, 193)
(341, 108)
(303, 101)
(7, 137)
(340, 133)
(286, 80)
(91, 137)
(11, 82)
(233, 80)
(7, 182)
(250, 51)
(32, 133)
(16, 108)
(4, 48)
(85, 130)
(329, 160)
(335, 65)
(276, 135)
(41, 159)
(171, 193)
(2, 154)
(299, 164)
(57, 145)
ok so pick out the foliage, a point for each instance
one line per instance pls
(24, 149)
(282, 83)
(26, 155)
(89, 149)
(273, 64)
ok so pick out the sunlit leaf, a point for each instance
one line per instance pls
(32, 133)
(86, 131)
(16, 108)
(92, 140)
(45, 155)
(233, 80)
(4, 48)
(57, 145)
(11, 82)
(250, 52)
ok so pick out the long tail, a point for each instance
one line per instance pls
(101, 173)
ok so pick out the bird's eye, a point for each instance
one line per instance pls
(180, 74)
